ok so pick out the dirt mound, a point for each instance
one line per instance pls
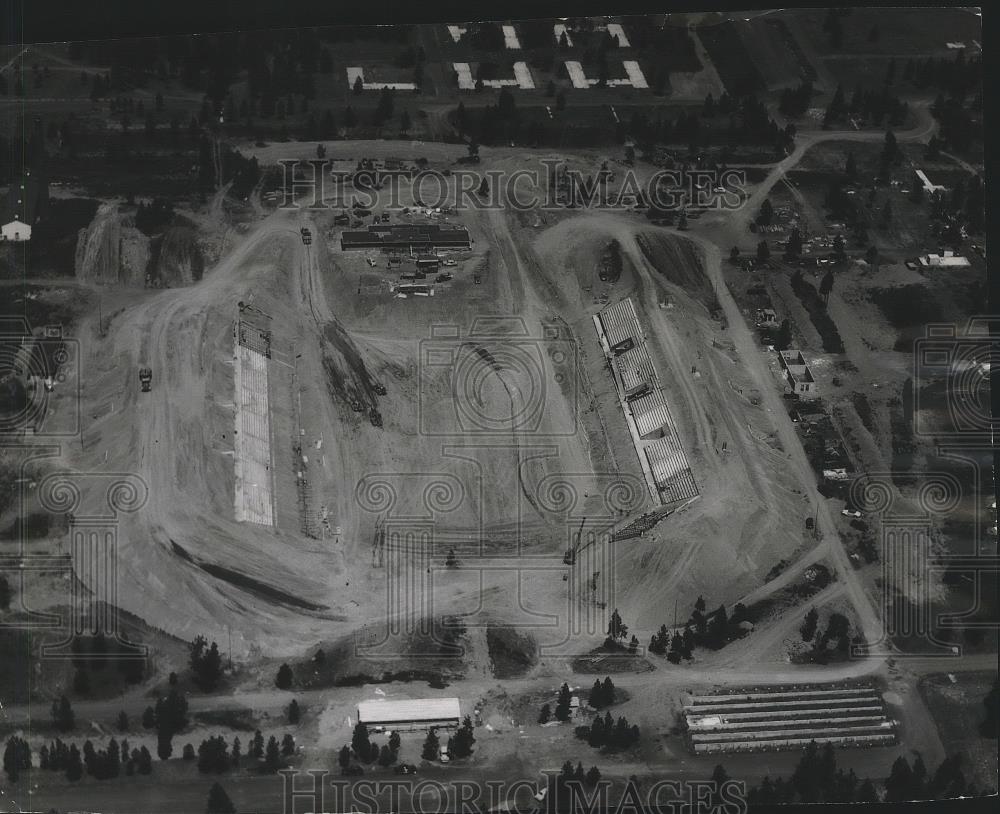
(512, 653)
(177, 258)
(109, 251)
(680, 263)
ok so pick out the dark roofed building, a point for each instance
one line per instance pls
(424, 237)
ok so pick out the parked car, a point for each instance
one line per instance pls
(405, 768)
(850, 513)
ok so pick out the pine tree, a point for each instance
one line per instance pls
(563, 703)
(431, 745)
(808, 629)
(284, 678)
(344, 756)
(990, 727)
(294, 714)
(122, 721)
(272, 756)
(218, 801)
(74, 766)
(544, 714)
(288, 745)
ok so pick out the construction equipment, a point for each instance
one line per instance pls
(145, 378)
(375, 417)
(569, 558)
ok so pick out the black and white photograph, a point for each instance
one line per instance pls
(530, 415)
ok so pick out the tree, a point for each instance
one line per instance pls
(763, 252)
(544, 714)
(851, 168)
(359, 85)
(293, 712)
(5, 594)
(164, 746)
(808, 629)
(431, 745)
(460, 744)
(563, 703)
(826, 286)
(394, 743)
(344, 756)
(188, 752)
(206, 663)
(616, 628)
(784, 337)
(16, 758)
(62, 714)
(734, 255)
(257, 746)
(74, 765)
(899, 785)
(718, 629)
(360, 741)
(236, 753)
(122, 721)
(593, 776)
(404, 122)
(288, 745)
(145, 761)
(386, 757)
(766, 214)
(839, 248)
(990, 727)
(148, 718)
(794, 246)
(218, 801)
(272, 756)
(284, 678)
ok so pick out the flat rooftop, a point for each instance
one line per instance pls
(420, 709)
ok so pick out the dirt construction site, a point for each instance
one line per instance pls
(327, 458)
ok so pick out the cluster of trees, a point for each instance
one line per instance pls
(16, 758)
(364, 749)
(837, 631)
(817, 779)
(795, 101)
(560, 784)
(101, 764)
(168, 718)
(214, 756)
(460, 744)
(714, 630)
(93, 654)
(606, 733)
(205, 660)
(602, 694)
(875, 107)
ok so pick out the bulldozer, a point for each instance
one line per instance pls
(145, 379)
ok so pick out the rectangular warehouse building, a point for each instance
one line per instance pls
(409, 239)
(421, 713)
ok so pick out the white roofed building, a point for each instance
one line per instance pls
(419, 713)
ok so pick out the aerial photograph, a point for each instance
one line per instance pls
(534, 415)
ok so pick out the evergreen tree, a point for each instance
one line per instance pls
(294, 714)
(616, 628)
(74, 766)
(544, 714)
(808, 629)
(344, 756)
(990, 727)
(563, 703)
(218, 801)
(62, 714)
(284, 678)
(272, 756)
(431, 745)
(288, 745)
(122, 721)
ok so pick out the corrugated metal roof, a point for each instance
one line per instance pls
(420, 709)
(620, 322)
(650, 412)
(636, 368)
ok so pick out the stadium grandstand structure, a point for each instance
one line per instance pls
(789, 718)
(644, 405)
